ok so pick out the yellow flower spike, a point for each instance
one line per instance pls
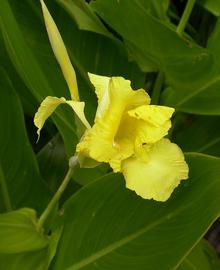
(156, 173)
(60, 52)
(49, 105)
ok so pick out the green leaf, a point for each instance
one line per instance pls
(29, 103)
(107, 226)
(36, 260)
(202, 257)
(189, 69)
(206, 139)
(18, 162)
(18, 232)
(85, 176)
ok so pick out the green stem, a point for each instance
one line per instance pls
(73, 162)
(4, 189)
(184, 19)
(157, 88)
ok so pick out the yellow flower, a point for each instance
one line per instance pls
(128, 132)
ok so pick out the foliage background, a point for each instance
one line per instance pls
(104, 225)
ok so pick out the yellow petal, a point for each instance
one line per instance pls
(60, 52)
(156, 174)
(153, 122)
(105, 142)
(49, 105)
(101, 84)
(78, 108)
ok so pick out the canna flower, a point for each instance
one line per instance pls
(128, 132)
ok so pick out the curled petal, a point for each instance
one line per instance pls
(60, 52)
(153, 122)
(49, 105)
(156, 173)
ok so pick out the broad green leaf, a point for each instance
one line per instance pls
(84, 16)
(17, 159)
(35, 260)
(107, 226)
(29, 103)
(189, 69)
(206, 139)
(84, 176)
(202, 257)
(18, 232)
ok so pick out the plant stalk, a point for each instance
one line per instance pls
(185, 17)
(73, 162)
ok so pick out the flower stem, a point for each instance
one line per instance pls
(4, 189)
(186, 14)
(157, 88)
(73, 162)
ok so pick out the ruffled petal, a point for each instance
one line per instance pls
(156, 173)
(106, 141)
(60, 52)
(153, 122)
(49, 105)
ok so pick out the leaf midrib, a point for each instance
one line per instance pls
(203, 88)
(125, 240)
(121, 242)
(116, 245)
